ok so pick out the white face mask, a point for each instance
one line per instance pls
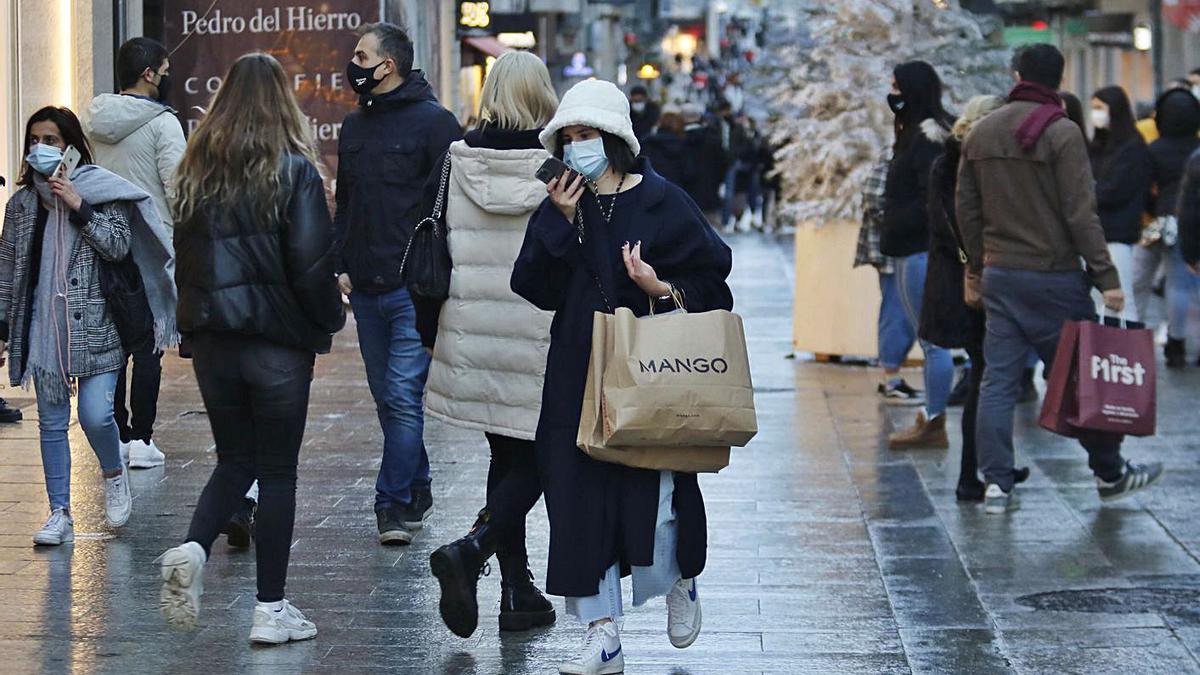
(1100, 119)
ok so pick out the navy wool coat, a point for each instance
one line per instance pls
(602, 513)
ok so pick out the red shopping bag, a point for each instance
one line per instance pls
(1058, 406)
(1103, 379)
(1117, 380)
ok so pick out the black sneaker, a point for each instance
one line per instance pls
(392, 531)
(900, 394)
(1137, 477)
(239, 531)
(9, 414)
(958, 396)
(420, 509)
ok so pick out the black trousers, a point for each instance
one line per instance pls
(143, 396)
(514, 487)
(256, 393)
(968, 472)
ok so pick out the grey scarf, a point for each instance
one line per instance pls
(49, 332)
(151, 247)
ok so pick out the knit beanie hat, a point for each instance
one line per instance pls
(592, 103)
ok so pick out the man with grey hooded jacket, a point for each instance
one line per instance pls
(137, 136)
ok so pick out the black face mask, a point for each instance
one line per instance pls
(363, 80)
(896, 102)
(164, 88)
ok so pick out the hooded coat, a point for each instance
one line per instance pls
(1177, 116)
(921, 130)
(489, 361)
(138, 139)
(602, 513)
(387, 149)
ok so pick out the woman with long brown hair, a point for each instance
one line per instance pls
(258, 299)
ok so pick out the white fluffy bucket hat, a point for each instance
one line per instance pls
(592, 103)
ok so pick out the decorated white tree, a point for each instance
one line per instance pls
(825, 74)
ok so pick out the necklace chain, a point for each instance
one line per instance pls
(612, 206)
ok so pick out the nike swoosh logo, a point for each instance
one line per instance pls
(692, 591)
(606, 657)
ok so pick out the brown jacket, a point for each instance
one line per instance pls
(1031, 210)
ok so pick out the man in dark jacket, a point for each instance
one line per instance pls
(387, 149)
(1029, 154)
(643, 112)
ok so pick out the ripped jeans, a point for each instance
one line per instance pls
(95, 418)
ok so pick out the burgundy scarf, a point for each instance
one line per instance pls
(1036, 123)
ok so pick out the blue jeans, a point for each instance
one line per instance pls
(939, 363)
(397, 366)
(1183, 293)
(1025, 309)
(896, 334)
(98, 424)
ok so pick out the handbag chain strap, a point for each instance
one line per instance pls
(435, 217)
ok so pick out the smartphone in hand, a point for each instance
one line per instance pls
(552, 168)
(66, 166)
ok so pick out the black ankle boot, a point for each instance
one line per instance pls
(1176, 353)
(458, 566)
(522, 605)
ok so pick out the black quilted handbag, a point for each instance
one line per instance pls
(425, 267)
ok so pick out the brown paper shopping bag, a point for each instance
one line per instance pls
(591, 441)
(678, 379)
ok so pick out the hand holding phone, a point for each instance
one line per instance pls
(552, 168)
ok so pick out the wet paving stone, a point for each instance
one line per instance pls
(828, 553)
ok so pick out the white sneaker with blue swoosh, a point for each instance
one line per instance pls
(683, 613)
(600, 654)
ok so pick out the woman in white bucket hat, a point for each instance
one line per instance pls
(615, 235)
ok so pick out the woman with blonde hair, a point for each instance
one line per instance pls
(258, 300)
(489, 358)
(946, 320)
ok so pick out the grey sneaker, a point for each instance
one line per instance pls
(118, 502)
(59, 529)
(392, 531)
(277, 626)
(1137, 477)
(997, 502)
(416, 513)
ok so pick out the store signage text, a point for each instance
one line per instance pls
(292, 19)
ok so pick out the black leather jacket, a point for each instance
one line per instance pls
(277, 282)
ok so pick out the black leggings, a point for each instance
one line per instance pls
(256, 393)
(968, 472)
(513, 488)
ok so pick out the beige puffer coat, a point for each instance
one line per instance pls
(489, 362)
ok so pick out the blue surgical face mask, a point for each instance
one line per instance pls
(587, 157)
(44, 158)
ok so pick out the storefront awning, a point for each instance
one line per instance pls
(488, 45)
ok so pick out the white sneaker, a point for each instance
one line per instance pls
(59, 529)
(144, 455)
(277, 623)
(683, 613)
(600, 654)
(118, 502)
(744, 223)
(183, 582)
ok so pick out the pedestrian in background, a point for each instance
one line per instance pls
(386, 152)
(922, 126)
(708, 155)
(668, 152)
(59, 230)
(896, 335)
(625, 238)
(489, 348)
(1122, 167)
(1178, 120)
(137, 136)
(1032, 267)
(258, 299)
(644, 112)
